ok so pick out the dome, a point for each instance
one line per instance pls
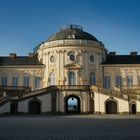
(72, 32)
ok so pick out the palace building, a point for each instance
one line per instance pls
(71, 72)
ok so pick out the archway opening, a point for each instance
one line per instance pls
(133, 108)
(34, 107)
(111, 107)
(72, 104)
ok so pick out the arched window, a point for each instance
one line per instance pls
(92, 79)
(52, 79)
(71, 36)
(91, 58)
(71, 78)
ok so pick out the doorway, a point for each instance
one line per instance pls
(133, 108)
(34, 106)
(111, 107)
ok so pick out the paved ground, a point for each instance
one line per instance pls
(70, 128)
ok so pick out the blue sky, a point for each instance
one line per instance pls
(26, 23)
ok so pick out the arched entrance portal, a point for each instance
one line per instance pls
(34, 106)
(133, 108)
(72, 104)
(111, 107)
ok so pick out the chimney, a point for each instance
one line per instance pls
(133, 53)
(112, 53)
(30, 55)
(12, 55)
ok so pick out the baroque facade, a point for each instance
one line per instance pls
(72, 72)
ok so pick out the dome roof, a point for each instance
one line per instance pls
(72, 32)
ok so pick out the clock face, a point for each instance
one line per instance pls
(52, 59)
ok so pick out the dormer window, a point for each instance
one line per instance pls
(72, 36)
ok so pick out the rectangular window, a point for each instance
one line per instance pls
(92, 79)
(107, 82)
(26, 81)
(71, 78)
(15, 81)
(118, 82)
(139, 80)
(4, 81)
(37, 82)
(129, 80)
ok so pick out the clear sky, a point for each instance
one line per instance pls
(26, 23)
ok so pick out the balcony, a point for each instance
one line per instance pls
(72, 87)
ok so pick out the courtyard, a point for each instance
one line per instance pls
(76, 127)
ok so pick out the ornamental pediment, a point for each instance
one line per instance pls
(73, 66)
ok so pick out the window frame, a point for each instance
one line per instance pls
(129, 80)
(71, 78)
(4, 80)
(37, 82)
(15, 81)
(52, 79)
(26, 81)
(118, 81)
(107, 82)
(92, 78)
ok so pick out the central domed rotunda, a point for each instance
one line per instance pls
(71, 57)
(72, 32)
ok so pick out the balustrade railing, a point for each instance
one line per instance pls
(67, 42)
(4, 99)
(4, 88)
(74, 87)
(133, 87)
(125, 93)
(29, 93)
